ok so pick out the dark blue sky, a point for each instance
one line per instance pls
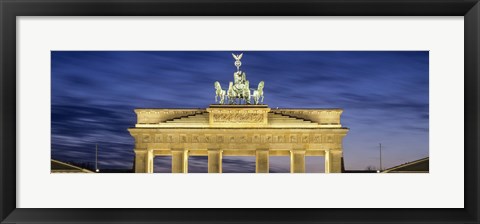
(384, 96)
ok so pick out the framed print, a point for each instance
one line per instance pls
(224, 111)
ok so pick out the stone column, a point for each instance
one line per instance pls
(179, 161)
(327, 160)
(261, 160)
(297, 161)
(140, 160)
(215, 160)
(149, 161)
(333, 161)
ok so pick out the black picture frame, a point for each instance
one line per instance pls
(10, 9)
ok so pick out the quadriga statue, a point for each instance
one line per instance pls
(239, 89)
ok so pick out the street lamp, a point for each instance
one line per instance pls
(96, 158)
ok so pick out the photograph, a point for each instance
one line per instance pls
(200, 111)
(237, 111)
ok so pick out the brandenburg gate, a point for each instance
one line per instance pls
(233, 129)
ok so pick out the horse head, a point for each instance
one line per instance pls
(261, 85)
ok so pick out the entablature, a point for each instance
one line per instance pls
(238, 138)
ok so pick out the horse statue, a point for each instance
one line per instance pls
(239, 89)
(219, 93)
(258, 93)
(230, 93)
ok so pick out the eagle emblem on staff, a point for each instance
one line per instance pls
(237, 58)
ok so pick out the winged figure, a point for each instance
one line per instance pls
(237, 57)
(238, 63)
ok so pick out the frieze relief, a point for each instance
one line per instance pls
(242, 139)
(171, 139)
(268, 139)
(183, 138)
(158, 138)
(293, 138)
(256, 139)
(238, 118)
(305, 139)
(195, 139)
(145, 138)
(317, 139)
(209, 139)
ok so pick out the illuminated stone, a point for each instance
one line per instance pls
(297, 161)
(214, 161)
(261, 161)
(238, 130)
(179, 161)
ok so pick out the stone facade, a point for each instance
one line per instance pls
(238, 130)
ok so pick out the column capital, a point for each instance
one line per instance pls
(298, 151)
(140, 150)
